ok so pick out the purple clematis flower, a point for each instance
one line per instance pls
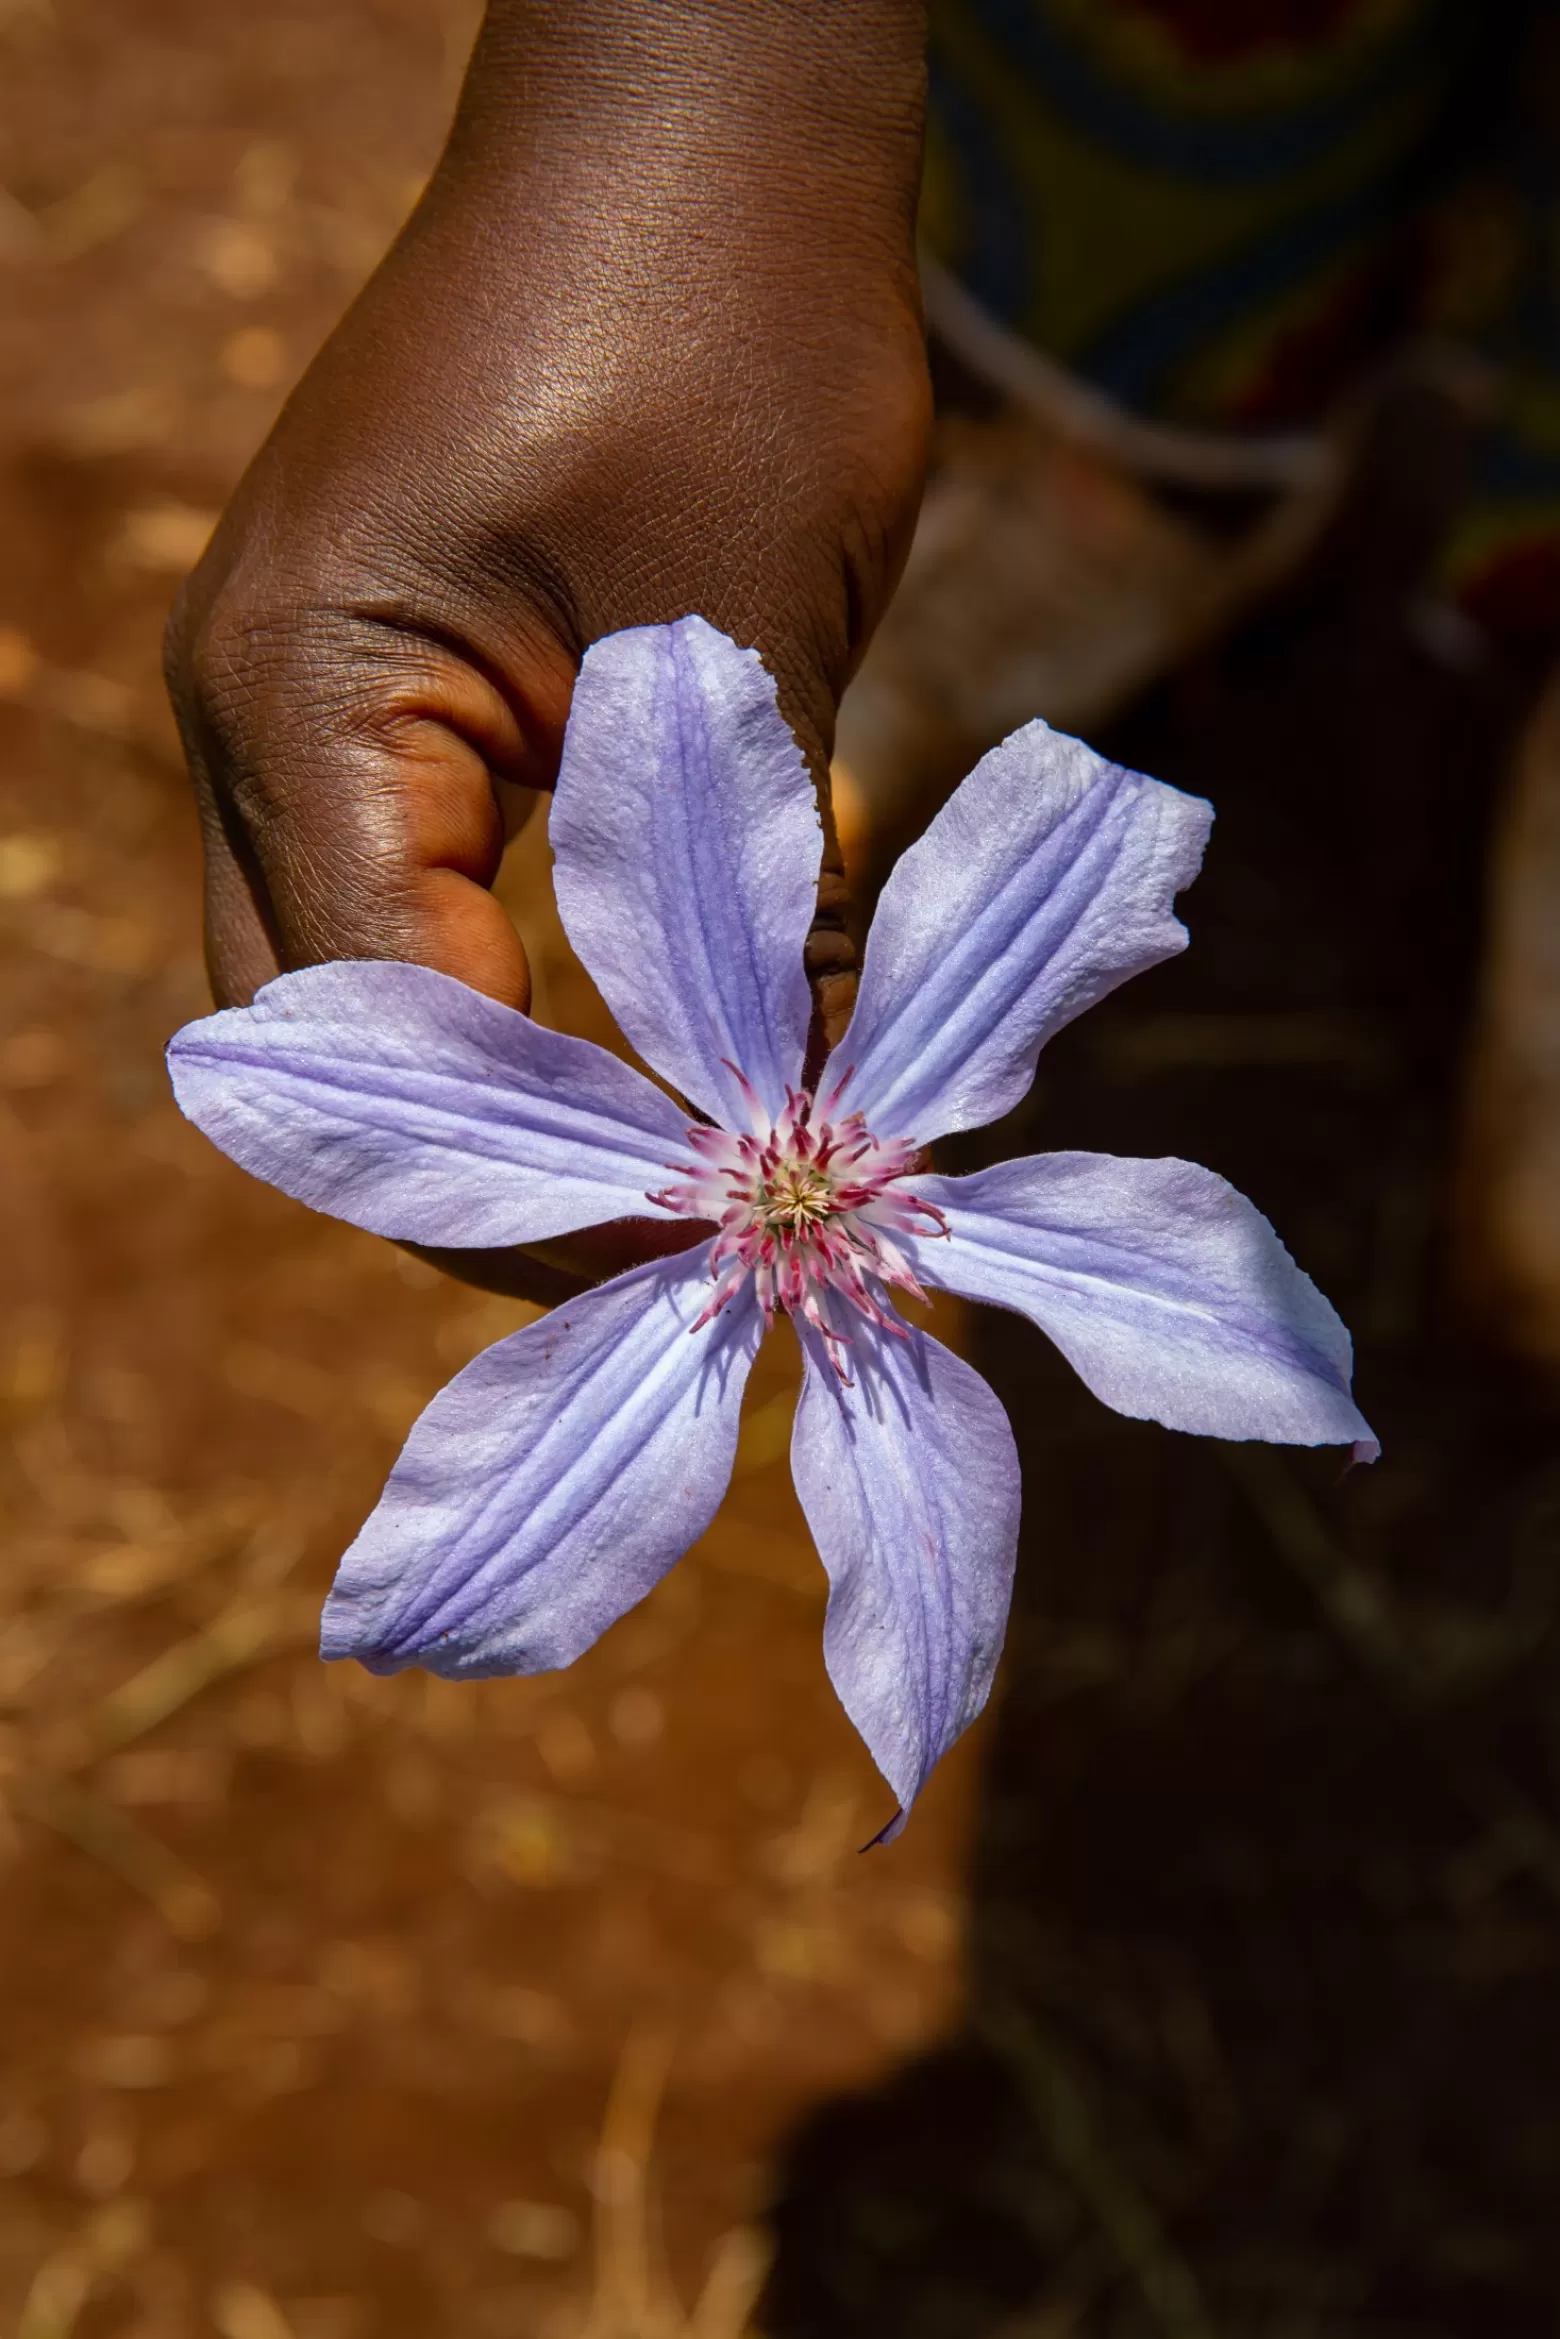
(559, 1476)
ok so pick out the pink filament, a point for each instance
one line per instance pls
(808, 1208)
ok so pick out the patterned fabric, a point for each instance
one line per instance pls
(1223, 213)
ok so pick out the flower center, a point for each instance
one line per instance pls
(797, 1196)
(813, 1209)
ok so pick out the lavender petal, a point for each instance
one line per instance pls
(1044, 881)
(404, 1102)
(688, 844)
(1166, 1290)
(909, 1479)
(552, 1484)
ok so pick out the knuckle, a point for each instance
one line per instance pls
(229, 652)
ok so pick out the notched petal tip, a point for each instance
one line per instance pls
(909, 1482)
(1166, 1290)
(888, 1833)
(1045, 880)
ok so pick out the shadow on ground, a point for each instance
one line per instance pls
(1261, 2033)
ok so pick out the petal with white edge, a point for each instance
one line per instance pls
(1166, 1290)
(1045, 880)
(909, 1479)
(687, 841)
(407, 1103)
(552, 1484)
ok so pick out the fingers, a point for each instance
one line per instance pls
(349, 788)
(830, 955)
(808, 700)
(241, 952)
(560, 1270)
(350, 794)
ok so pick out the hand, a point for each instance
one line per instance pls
(651, 343)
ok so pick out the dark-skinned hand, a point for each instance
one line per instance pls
(650, 344)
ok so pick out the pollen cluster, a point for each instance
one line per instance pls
(799, 1194)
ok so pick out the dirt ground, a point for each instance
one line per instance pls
(332, 2007)
(1214, 1991)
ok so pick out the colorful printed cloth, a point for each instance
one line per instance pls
(1224, 213)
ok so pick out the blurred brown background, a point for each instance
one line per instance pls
(316, 1988)
(335, 2008)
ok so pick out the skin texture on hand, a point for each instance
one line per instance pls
(650, 344)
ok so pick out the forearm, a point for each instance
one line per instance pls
(806, 114)
(731, 185)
